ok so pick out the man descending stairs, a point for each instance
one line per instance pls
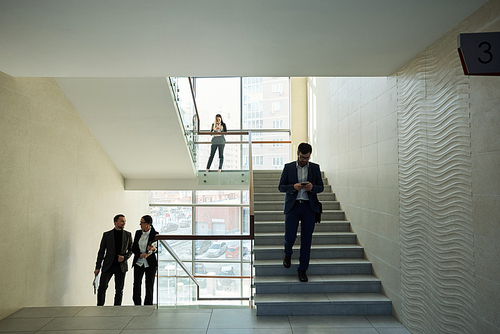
(340, 279)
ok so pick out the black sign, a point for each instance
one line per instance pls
(480, 53)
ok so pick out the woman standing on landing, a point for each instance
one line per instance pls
(218, 141)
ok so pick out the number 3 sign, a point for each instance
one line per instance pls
(480, 53)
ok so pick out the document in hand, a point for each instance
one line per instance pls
(95, 283)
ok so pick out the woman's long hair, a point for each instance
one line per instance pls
(214, 124)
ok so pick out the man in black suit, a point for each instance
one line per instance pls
(145, 261)
(301, 181)
(114, 251)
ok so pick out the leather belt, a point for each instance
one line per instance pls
(302, 201)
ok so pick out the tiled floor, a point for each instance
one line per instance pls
(148, 320)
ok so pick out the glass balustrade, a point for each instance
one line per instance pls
(185, 105)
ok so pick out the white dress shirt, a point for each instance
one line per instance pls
(143, 246)
(302, 177)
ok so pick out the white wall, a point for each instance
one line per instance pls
(59, 193)
(413, 159)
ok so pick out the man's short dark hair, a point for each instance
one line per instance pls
(148, 219)
(304, 148)
(118, 217)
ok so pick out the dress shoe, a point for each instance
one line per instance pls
(302, 276)
(287, 261)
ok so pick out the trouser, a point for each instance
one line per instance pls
(139, 272)
(103, 285)
(304, 213)
(212, 154)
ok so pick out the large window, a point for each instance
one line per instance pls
(248, 103)
(203, 212)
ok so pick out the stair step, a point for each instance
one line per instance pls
(317, 238)
(267, 197)
(355, 266)
(280, 216)
(271, 174)
(322, 304)
(324, 226)
(317, 284)
(278, 205)
(267, 181)
(273, 188)
(270, 252)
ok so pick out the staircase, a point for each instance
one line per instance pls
(340, 279)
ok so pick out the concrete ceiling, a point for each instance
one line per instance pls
(135, 121)
(95, 49)
(161, 38)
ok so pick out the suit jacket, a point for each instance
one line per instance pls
(107, 250)
(152, 261)
(289, 178)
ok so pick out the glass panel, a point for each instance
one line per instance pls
(268, 156)
(172, 219)
(246, 254)
(214, 250)
(182, 248)
(171, 197)
(218, 197)
(246, 220)
(185, 105)
(231, 154)
(246, 197)
(217, 220)
(218, 96)
(266, 103)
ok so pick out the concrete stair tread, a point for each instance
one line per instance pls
(280, 234)
(297, 247)
(276, 193)
(277, 212)
(325, 222)
(281, 202)
(327, 298)
(315, 279)
(314, 262)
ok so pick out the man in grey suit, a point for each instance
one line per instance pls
(114, 251)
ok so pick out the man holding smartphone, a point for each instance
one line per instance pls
(301, 181)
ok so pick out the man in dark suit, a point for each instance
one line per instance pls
(114, 251)
(301, 181)
(145, 261)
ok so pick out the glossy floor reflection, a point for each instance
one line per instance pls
(137, 319)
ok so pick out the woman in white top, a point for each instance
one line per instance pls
(145, 261)
(218, 141)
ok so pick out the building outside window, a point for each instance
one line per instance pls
(202, 212)
(247, 103)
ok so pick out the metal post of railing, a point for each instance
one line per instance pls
(251, 199)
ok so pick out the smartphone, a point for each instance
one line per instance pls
(304, 183)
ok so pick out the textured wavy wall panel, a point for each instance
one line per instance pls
(437, 266)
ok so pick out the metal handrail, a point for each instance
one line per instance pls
(179, 261)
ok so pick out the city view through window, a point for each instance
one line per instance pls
(248, 103)
(205, 212)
